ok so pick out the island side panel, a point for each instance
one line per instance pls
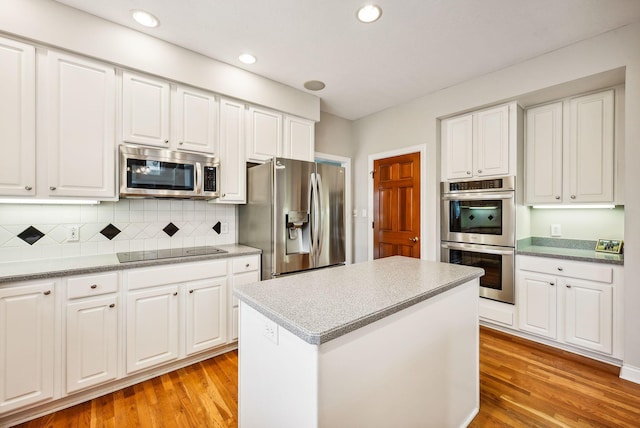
(277, 375)
(418, 367)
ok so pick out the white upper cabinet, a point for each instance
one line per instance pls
(299, 138)
(196, 120)
(145, 110)
(543, 154)
(233, 168)
(80, 127)
(480, 144)
(264, 134)
(17, 118)
(590, 166)
(457, 147)
(570, 151)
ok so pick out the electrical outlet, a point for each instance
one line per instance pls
(556, 230)
(225, 227)
(73, 233)
(271, 331)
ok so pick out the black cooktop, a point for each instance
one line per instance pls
(136, 256)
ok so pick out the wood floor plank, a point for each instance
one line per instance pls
(522, 384)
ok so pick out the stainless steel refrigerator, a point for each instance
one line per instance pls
(295, 215)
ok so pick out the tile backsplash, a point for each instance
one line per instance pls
(112, 227)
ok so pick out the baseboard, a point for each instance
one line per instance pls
(630, 373)
(471, 417)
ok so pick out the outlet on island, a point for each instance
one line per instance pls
(556, 230)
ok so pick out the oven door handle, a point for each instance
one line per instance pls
(478, 196)
(478, 248)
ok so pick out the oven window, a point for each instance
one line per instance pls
(491, 263)
(150, 174)
(481, 217)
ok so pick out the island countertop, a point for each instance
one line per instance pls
(321, 305)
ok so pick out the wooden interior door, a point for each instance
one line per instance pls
(396, 206)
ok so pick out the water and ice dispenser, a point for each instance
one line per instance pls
(298, 232)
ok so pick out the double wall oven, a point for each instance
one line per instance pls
(478, 229)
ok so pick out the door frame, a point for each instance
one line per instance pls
(422, 149)
(348, 220)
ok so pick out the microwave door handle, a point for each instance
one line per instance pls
(477, 248)
(198, 180)
(478, 197)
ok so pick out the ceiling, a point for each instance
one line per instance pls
(416, 48)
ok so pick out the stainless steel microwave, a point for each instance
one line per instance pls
(156, 173)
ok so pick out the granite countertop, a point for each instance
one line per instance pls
(567, 249)
(321, 305)
(46, 268)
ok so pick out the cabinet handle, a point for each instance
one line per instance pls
(560, 269)
(557, 197)
(52, 187)
(568, 286)
(166, 141)
(190, 291)
(479, 171)
(573, 196)
(94, 286)
(181, 142)
(552, 284)
(27, 187)
(247, 265)
(46, 293)
(224, 195)
(175, 293)
(468, 172)
(113, 305)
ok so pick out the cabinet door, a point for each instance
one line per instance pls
(240, 279)
(81, 122)
(26, 344)
(17, 118)
(537, 303)
(299, 138)
(233, 169)
(206, 314)
(457, 147)
(544, 154)
(588, 314)
(264, 134)
(92, 342)
(590, 154)
(145, 110)
(491, 142)
(196, 120)
(152, 327)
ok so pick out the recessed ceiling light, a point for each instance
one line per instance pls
(369, 13)
(314, 85)
(247, 58)
(145, 18)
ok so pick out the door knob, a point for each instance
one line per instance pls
(414, 239)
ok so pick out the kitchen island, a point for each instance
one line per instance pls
(391, 342)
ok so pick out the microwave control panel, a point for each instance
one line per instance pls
(210, 179)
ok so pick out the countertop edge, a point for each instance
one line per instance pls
(538, 253)
(238, 251)
(323, 337)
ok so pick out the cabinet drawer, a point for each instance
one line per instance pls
(175, 273)
(559, 267)
(92, 285)
(246, 264)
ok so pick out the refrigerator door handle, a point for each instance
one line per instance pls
(313, 220)
(320, 234)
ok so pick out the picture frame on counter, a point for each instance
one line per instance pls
(609, 246)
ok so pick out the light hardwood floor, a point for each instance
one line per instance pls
(522, 383)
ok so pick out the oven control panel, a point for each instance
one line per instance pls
(506, 183)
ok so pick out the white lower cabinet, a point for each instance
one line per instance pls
(575, 303)
(27, 345)
(246, 270)
(206, 314)
(152, 327)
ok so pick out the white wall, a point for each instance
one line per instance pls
(54, 24)
(416, 122)
(579, 224)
